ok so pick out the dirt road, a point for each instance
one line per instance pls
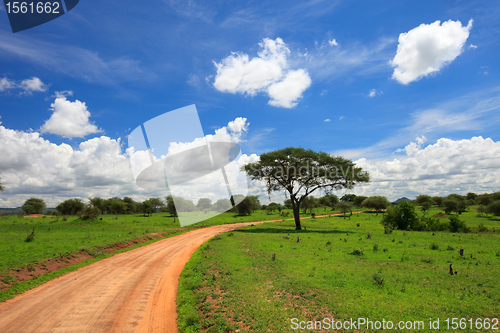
(130, 292)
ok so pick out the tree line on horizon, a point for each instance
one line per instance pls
(453, 203)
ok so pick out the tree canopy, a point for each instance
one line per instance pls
(1, 187)
(300, 172)
(33, 206)
(70, 206)
(376, 202)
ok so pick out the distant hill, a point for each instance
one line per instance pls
(400, 200)
(10, 211)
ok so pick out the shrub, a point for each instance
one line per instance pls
(90, 213)
(457, 225)
(494, 208)
(434, 246)
(402, 217)
(356, 252)
(378, 279)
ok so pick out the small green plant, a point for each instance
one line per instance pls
(375, 247)
(31, 267)
(482, 228)
(356, 252)
(434, 246)
(450, 248)
(378, 279)
(368, 235)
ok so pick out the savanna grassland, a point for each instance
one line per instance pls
(63, 244)
(342, 268)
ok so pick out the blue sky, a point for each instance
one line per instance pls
(413, 100)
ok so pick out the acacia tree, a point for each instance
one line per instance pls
(33, 206)
(376, 202)
(300, 172)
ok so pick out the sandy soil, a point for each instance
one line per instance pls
(133, 291)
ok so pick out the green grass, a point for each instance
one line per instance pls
(339, 270)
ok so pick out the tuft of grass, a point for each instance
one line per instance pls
(434, 246)
(356, 252)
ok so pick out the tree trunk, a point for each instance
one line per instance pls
(296, 213)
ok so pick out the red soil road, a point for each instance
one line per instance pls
(133, 291)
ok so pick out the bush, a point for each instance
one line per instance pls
(457, 225)
(436, 224)
(494, 208)
(401, 217)
(90, 213)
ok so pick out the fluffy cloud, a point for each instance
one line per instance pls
(28, 85)
(35, 167)
(33, 84)
(285, 93)
(268, 72)
(69, 119)
(445, 167)
(427, 48)
(333, 42)
(6, 84)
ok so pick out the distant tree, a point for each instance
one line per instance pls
(344, 207)
(97, 202)
(288, 204)
(71, 207)
(248, 205)
(131, 206)
(348, 198)
(425, 201)
(115, 205)
(204, 204)
(301, 172)
(183, 205)
(147, 208)
(471, 196)
(329, 200)
(1, 187)
(222, 205)
(376, 202)
(484, 199)
(33, 206)
(358, 200)
(438, 200)
(272, 207)
(171, 209)
(454, 203)
(308, 204)
(402, 217)
(494, 208)
(156, 203)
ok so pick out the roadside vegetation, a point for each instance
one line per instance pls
(260, 277)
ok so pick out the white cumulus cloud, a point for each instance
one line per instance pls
(69, 119)
(268, 72)
(35, 167)
(33, 84)
(445, 167)
(28, 86)
(333, 42)
(427, 48)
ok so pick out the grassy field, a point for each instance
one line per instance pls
(341, 269)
